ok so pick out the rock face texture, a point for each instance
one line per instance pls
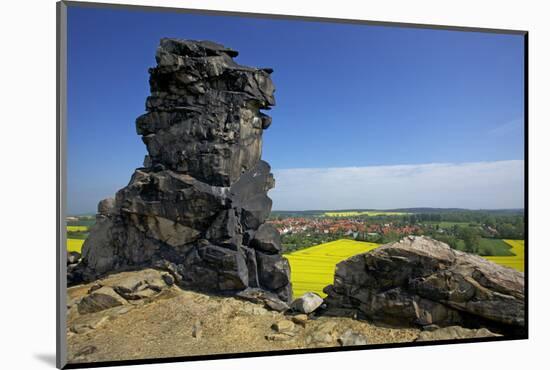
(198, 206)
(421, 281)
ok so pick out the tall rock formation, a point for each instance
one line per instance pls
(198, 205)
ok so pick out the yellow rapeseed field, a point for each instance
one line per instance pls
(74, 245)
(516, 262)
(312, 269)
(77, 228)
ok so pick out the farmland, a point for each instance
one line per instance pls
(517, 261)
(363, 213)
(76, 234)
(312, 268)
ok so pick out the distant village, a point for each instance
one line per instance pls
(344, 226)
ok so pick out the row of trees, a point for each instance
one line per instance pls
(296, 241)
(490, 226)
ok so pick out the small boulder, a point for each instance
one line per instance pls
(137, 285)
(85, 351)
(258, 311)
(101, 299)
(307, 303)
(255, 310)
(300, 319)
(276, 304)
(197, 330)
(270, 300)
(283, 326)
(279, 337)
(349, 338)
(89, 324)
(127, 284)
(72, 258)
(139, 294)
(80, 328)
(168, 279)
(317, 338)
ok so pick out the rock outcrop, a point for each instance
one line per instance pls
(197, 208)
(421, 281)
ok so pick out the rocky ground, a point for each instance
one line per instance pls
(142, 314)
(175, 322)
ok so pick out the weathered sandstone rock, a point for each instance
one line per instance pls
(421, 281)
(454, 332)
(198, 205)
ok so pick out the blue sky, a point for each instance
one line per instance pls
(348, 96)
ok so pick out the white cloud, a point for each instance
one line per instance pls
(487, 185)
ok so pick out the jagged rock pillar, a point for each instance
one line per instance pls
(198, 205)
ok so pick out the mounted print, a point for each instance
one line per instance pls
(239, 184)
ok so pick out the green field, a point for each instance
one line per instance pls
(82, 222)
(312, 269)
(363, 213)
(494, 247)
(489, 247)
(517, 261)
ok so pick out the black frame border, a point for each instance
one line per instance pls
(61, 109)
